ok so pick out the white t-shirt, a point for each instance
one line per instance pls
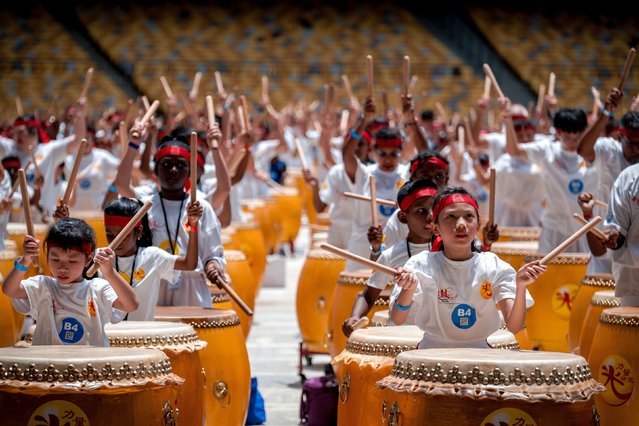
(190, 287)
(609, 162)
(151, 266)
(5, 191)
(396, 256)
(342, 209)
(563, 178)
(454, 302)
(68, 314)
(623, 214)
(395, 230)
(518, 192)
(496, 145)
(97, 171)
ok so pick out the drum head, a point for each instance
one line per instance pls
(605, 298)
(515, 248)
(562, 259)
(196, 316)
(520, 232)
(599, 280)
(380, 318)
(503, 339)
(151, 334)
(623, 316)
(359, 277)
(320, 254)
(384, 341)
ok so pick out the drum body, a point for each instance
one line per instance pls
(349, 285)
(614, 358)
(554, 292)
(289, 204)
(72, 385)
(314, 299)
(295, 179)
(589, 285)
(181, 344)
(220, 299)
(600, 300)
(262, 215)
(225, 360)
(96, 220)
(519, 233)
(513, 252)
(8, 329)
(244, 284)
(249, 239)
(489, 387)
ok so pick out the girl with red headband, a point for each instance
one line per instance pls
(68, 307)
(140, 264)
(415, 201)
(453, 292)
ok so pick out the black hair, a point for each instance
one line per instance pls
(180, 133)
(425, 155)
(428, 114)
(475, 246)
(630, 120)
(483, 158)
(414, 185)
(71, 233)
(171, 141)
(129, 207)
(570, 120)
(388, 133)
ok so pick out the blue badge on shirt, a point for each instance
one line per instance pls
(386, 210)
(85, 184)
(575, 186)
(71, 331)
(464, 316)
(30, 176)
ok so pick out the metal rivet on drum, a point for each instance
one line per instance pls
(220, 389)
(344, 389)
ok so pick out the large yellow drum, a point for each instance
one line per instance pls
(225, 360)
(554, 292)
(519, 233)
(513, 252)
(249, 239)
(181, 344)
(8, 329)
(614, 359)
(600, 300)
(289, 205)
(238, 269)
(438, 387)
(349, 285)
(95, 219)
(589, 285)
(315, 289)
(84, 385)
(295, 179)
(262, 215)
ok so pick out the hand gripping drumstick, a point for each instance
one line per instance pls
(124, 233)
(74, 172)
(147, 115)
(27, 209)
(367, 198)
(489, 73)
(570, 240)
(233, 295)
(359, 259)
(361, 323)
(594, 231)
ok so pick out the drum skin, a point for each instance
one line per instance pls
(513, 252)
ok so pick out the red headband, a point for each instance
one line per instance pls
(411, 198)
(115, 220)
(519, 117)
(430, 160)
(626, 132)
(173, 150)
(376, 126)
(452, 199)
(86, 248)
(7, 164)
(33, 123)
(388, 143)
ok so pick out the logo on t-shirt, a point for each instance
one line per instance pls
(85, 184)
(486, 289)
(71, 331)
(91, 308)
(446, 295)
(575, 186)
(139, 274)
(464, 316)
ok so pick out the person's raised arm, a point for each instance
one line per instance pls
(512, 142)
(189, 261)
(515, 310)
(127, 300)
(407, 281)
(352, 139)
(587, 203)
(313, 183)
(223, 188)
(122, 182)
(588, 139)
(11, 285)
(410, 122)
(80, 126)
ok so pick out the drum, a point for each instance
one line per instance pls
(349, 285)
(181, 344)
(244, 285)
(220, 299)
(262, 216)
(513, 252)
(522, 337)
(554, 293)
(84, 385)
(8, 330)
(275, 215)
(227, 239)
(295, 179)
(249, 239)
(519, 233)
(614, 358)
(600, 300)
(488, 387)
(314, 298)
(289, 204)
(380, 319)
(225, 360)
(96, 220)
(589, 285)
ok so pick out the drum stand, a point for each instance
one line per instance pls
(306, 353)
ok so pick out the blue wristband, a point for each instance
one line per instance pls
(382, 247)
(134, 146)
(403, 308)
(19, 267)
(610, 114)
(355, 136)
(112, 188)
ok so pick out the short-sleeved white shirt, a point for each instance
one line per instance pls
(342, 209)
(609, 163)
(96, 173)
(518, 192)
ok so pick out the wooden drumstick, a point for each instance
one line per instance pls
(264, 88)
(16, 184)
(236, 298)
(369, 73)
(147, 116)
(19, 108)
(359, 259)
(406, 75)
(594, 231)
(442, 112)
(347, 86)
(35, 163)
(374, 218)
(626, 69)
(210, 110)
(300, 152)
(540, 96)
(601, 204)
(87, 83)
(412, 84)
(276, 186)
(570, 240)
(193, 167)
(74, 172)
(491, 200)
(361, 323)
(196, 85)
(552, 79)
(167, 89)
(489, 73)
(26, 205)
(461, 140)
(368, 199)
(124, 233)
(487, 86)
(124, 138)
(245, 108)
(242, 119)
(218, 83)
(145, 102)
